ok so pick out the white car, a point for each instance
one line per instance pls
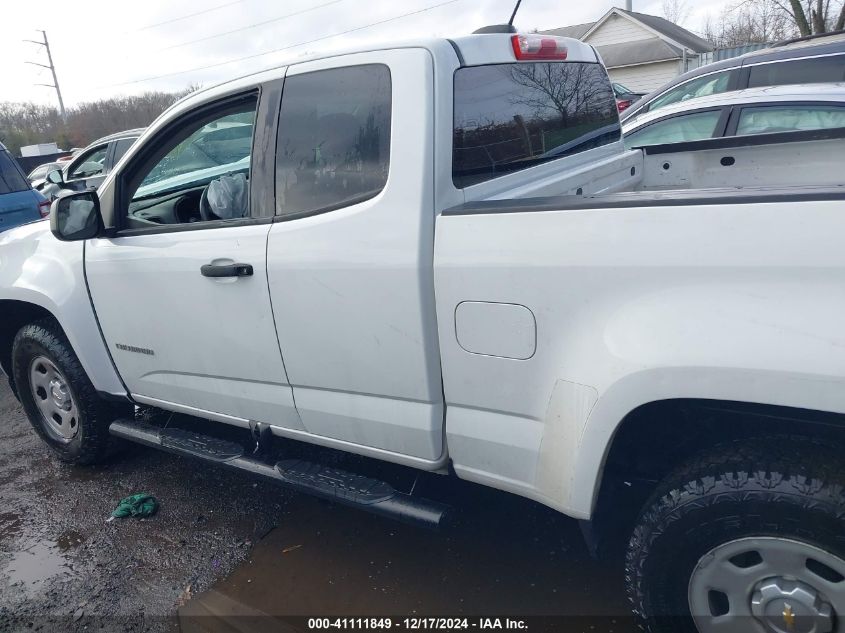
(439, 254)
(793, 108)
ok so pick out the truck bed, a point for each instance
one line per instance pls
(680, 286)
(738, 169)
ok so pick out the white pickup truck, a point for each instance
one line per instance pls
(439, 254)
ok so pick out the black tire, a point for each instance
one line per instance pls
(92, 442)
(790, 487)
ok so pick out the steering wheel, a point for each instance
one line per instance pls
(206, 213)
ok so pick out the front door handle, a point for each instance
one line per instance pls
(226, 270)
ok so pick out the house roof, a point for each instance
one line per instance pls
(576, 30)
(664, 29)
(638, 52)
(672, 31)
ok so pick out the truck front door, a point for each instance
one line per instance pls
(181, 289)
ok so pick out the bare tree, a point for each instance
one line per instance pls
(29, 123)
(814, 16)
(750, 21)
(676, 11)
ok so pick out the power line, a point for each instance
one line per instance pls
(277, 50)
(190, 15)
(251, 26)
(52, 69)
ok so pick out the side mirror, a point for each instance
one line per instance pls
(76, 216)
(56, 177)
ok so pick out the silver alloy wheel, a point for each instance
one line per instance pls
(54, 399)
(767, 585)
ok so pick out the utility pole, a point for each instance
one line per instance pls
(52, 68)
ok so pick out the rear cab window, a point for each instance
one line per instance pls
(509, 117)
(12, 179)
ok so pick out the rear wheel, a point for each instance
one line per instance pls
(58, 397)
(748, 537)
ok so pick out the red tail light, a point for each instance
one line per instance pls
(532, 46)
(623, 104)
(44, 208)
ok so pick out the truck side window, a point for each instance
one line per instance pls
(333, 147)
(197, 172)
(514, 116)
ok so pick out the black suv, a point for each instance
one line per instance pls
(815, 59)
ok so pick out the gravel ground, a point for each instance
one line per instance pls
(211, 553)
(63, 567)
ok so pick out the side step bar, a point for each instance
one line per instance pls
(333, 484)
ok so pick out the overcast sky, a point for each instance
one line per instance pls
(103, 48)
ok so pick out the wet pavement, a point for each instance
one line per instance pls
(228, 553)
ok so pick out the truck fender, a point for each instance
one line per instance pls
(36, 269)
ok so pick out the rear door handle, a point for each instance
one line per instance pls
(226, 270)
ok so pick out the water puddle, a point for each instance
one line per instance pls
(504, 555)
(40, 561)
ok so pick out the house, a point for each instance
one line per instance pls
(641, 51)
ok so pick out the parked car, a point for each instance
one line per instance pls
(808, 60)
(740, 113)
(90, 166)
(19, 202)
(625, 97)
(413, 256)
(38, 176)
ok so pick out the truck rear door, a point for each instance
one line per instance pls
(350, 255)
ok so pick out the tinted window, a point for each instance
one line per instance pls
(514, 116)
(11, 178)
(687, 127)
(121, 146)
(701, 87)
(764, 119)
(334, 138)
(798, 71)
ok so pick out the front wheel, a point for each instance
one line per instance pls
(749, 537)
(58, 397)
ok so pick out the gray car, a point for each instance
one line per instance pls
(809, 60)
(90, 167)
(769, 110)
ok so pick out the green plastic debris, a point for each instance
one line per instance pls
(139, 505)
